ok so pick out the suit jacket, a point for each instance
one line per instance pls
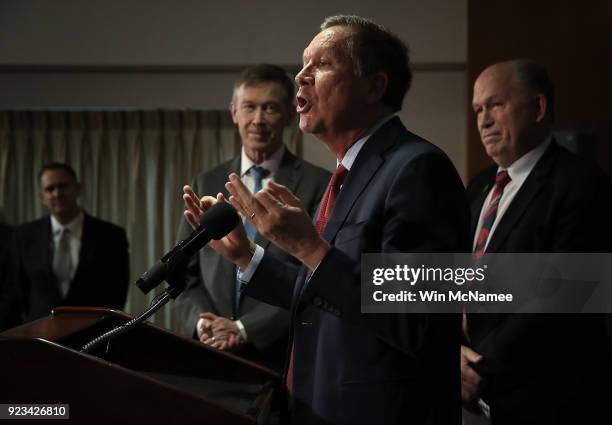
(546, 368)
(210, 278)
(402, 194)
(101, 278)
(10, 303)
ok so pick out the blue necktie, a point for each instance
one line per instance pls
(258, 174)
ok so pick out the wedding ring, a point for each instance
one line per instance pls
(252, 216)
(214, 338)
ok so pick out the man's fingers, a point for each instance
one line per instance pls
(208, 315)
(268, 200)
(469, 355)
(191, 218)
(239, 207)
(242, 194)
(187, 190)
(283, 194)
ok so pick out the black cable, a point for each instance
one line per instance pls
(158, 302)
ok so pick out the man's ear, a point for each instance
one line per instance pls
(377, 87)
(541, 107)
(232, 109)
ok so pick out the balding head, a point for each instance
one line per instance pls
(512, 118)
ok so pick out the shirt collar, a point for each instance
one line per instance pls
(75, 226)
(271, 164)
(352, 152)
(520, 169)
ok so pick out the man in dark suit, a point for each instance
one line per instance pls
(211, 308)
(392, 192)
(68, 257)
(538, 198)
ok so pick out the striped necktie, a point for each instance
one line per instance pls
(501, 180)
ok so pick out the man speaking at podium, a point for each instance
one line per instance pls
(392, 192)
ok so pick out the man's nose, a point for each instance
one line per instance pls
(304, 76)
(258, 118)
(485, 120)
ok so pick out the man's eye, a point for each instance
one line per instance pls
(271, 108)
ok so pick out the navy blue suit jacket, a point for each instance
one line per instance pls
(402, 194)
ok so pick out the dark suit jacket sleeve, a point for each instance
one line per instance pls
(278, 278)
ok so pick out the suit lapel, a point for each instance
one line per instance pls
(87, 250)
(38, 251)
(364, 168)
(521, 202)
(47, 249)
(46, 255)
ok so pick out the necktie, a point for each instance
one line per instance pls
(501, 180)
(329, 198)
(62, 262)
(325, 211)
(258, 174)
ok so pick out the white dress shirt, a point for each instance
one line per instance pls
(518, 172)
(74, 239)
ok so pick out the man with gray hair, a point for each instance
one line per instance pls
(537, 198)
(212, 308)
(392, 192)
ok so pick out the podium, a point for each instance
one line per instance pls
(148, 374)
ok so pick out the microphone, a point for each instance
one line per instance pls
(218, 221)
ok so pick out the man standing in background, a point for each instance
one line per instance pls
(69, 257)
(212, 307)
(537, 198)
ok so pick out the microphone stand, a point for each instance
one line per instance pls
(172, 291)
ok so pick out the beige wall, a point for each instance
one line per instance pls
(163, 39)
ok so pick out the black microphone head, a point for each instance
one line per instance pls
(219, 220)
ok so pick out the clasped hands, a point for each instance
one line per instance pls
(275, 212)
(219, 332)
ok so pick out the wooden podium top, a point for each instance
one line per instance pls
(148, 372)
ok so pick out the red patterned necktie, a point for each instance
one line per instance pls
(329, 198)
(501, 180)
(325, 211)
